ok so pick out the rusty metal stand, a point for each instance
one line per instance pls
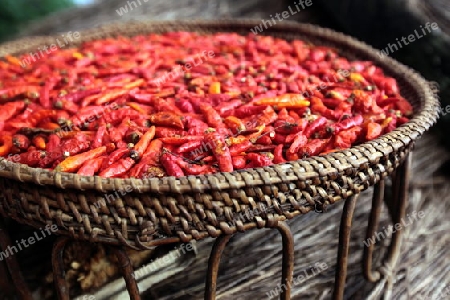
(344, 245)
(397, 205)
(397, 208)
(287, 270)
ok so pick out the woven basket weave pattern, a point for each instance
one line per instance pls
(195, 207)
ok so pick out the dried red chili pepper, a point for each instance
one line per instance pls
(346, 137)
(67, 106)
(248, 110)
(167, 119)
(145, 140)
(179, 140)
(299, 141)
(213, 118)
(44, 98)
(315, 126)
(313, 147)
(258, 160)
(169, 163)
(161, 132)
(91, 167)
(235, 124)
(10, 109)
(73, 163)
(21, 141)
(153, 151)
(99, 137)
(318, 107)
(119, 168)
(220, 151)
(29, 91)
(374, 130)
(240, 148)
(346, 124)
(278, 155)
(404, 106)
(77, 96)
(284, 101)
(239, 162)
(31, 158)
(190, 146)
(54, 142)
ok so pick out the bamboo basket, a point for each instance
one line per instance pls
(195, 207)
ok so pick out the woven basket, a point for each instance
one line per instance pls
(195, 207)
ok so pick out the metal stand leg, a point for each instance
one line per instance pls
(397, 208)
(378, 195)
(59, 279)
(344, 245)
(127, 273)
(13, 266)
(213, 266)
(288, 262)
(401, 185)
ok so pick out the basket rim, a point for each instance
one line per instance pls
(421, 121)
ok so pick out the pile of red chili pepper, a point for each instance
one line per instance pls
(182, 103)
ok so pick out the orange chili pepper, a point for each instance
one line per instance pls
(153, 151)
(13, 60)
(109, 96)
(6, 144)
(284, 101)
(50, 126)
(143, 143)
(386, 122)
(73, 163)
(254, 136)
(235, 140)
(374, 130)
(234, 123)
(140, 108)
(167, 119)
(39, 142)
(214, 88)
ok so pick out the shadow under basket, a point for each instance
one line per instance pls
(196, 207)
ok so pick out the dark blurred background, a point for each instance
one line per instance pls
(16, 14)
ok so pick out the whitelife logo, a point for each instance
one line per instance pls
(11, 250)
(160, 262)
(67, 38)
(411, 38)
(124, 9)
(381, 235)
(301, 278)
(284, 15)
